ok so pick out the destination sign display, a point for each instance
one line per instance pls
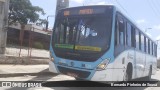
(86, 11)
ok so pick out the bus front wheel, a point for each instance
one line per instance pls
(128, 74)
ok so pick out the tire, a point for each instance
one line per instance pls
(126, 77)
(128, 74)
(149, 74)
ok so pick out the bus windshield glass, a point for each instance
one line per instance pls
(81, 35)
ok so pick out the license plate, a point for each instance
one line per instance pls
(72, 74)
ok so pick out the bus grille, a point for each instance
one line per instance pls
(80, 74)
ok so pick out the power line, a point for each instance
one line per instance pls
(158, 2)
(154, 4)
(124, 9)
(154, 11)
(113, 1)
(87, 2)
(108, 1)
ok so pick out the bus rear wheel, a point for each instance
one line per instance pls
(128, 75)
(149, 74)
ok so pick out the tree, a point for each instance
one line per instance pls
(23, 12)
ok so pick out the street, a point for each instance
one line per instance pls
(65, 78)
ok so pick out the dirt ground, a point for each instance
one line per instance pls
(37, 56)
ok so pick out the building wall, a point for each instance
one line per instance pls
(4, 5)
(14, 34)
(1, 22)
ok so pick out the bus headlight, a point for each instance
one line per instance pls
(51, 57)
(103, 64)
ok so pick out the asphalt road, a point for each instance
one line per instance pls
(64, 78)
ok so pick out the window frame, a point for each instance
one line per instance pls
(133, 40)
(128, 29)
(118, 30)
(1, 7)
(140, 46)
(149, 46)
(145, 39)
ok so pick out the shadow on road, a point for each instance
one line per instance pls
(76, 85)
(37, 78)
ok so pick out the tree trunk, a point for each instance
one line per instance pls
(21, 37)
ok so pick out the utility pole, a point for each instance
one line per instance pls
(4, 7)
(61, 4)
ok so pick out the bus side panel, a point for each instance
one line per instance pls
(150, 61)
(120, 64)
(154, 65)
(140, 64)
(104, 75)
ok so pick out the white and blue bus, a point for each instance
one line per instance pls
(99, 43)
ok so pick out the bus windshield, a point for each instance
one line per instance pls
(81, 35)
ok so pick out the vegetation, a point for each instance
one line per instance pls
(23, 12)
(38, 45)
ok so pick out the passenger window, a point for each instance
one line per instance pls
(152, 48)
(148, 46)
(144, 44)
(140, 41)
(128, 34)
(133, 36)
(119, 33)
(155, 50)
(121, 30)
(116, 33)
(137, 39)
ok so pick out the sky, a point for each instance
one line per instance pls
(145, 13)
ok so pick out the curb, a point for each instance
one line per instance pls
(5, 59)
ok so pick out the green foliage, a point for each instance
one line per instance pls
(38, 45)
(23, 12)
